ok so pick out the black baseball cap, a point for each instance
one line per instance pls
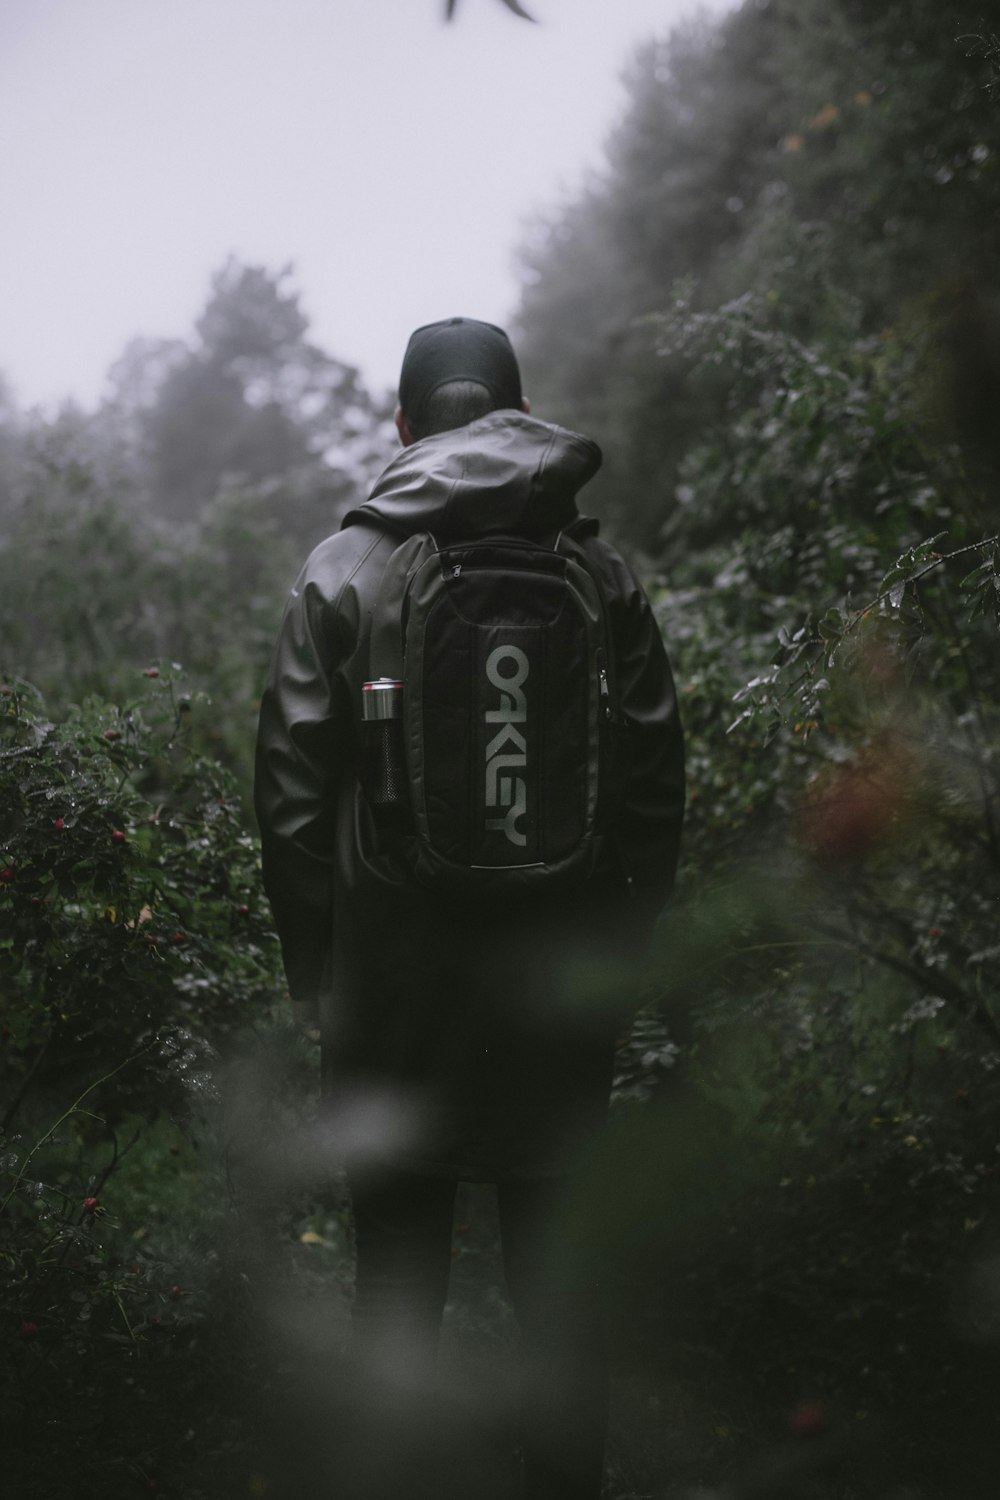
(458, 349)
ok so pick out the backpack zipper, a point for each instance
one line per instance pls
(602, 686)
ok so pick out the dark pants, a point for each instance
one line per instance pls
(403, 1231)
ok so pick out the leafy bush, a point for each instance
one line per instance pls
(135, 948)
(135, 933)
(834, 959)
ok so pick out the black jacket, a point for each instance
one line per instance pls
(396, 977)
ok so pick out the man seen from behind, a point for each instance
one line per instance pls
(462, 922)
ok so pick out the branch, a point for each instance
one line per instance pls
(942, 557)
(512, 5)
(132, 1057)
(26, 1081)
(973, 1006)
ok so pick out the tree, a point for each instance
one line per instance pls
(250, 401)
(857, 138)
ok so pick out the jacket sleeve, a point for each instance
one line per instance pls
(303, 741)
(651, 742)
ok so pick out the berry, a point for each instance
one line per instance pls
(151, 672)
(180, 937)
(243, 911)
(7, 874)
(112, 734)
(90, 1205)
(59, 823)
(176, 1293)
(118, 837)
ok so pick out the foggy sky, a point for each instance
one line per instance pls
(391, 158)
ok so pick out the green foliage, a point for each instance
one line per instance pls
(112, 558)
(135, 935)
(104, 1335)
(835, 957)
(139, 970)
(94, 593)
(854, 143)
(794, 366)
(135, 949)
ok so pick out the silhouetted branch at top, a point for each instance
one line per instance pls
(452, 5)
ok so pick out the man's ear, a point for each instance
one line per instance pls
(403, 428)
(526, 406)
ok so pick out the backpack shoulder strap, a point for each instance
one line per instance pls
(580, 528)
(385, 649)
(571, 542)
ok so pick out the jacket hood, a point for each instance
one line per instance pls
(505, 472)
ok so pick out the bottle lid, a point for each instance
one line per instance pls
(381, 699)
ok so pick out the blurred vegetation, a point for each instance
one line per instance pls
(777, 308)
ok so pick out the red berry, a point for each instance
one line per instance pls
(112, 734)
(935, 932)
(176, 1293)
(28, 1330)
(180, 937)
(60, 823)
(7, 874)
(118, 837)
(151, 672)
(36, 900)
(808, 1418)
(244, 911)
(90, 1205)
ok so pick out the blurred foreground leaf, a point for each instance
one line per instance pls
(452, 5)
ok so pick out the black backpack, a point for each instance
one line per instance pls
(488, 719)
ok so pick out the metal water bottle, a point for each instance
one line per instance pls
(383, 763)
